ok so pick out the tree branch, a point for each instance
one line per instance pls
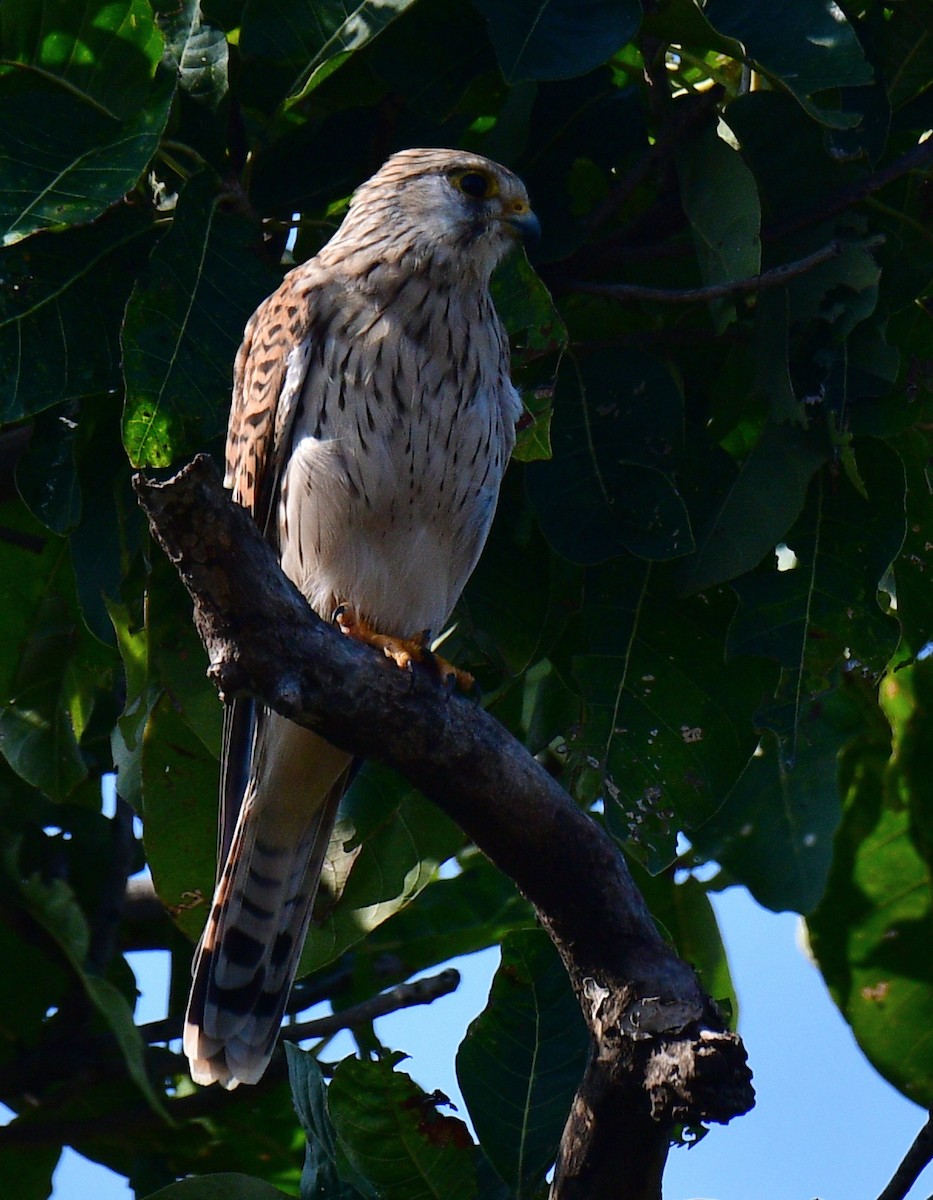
(775, 277)
(661, 1053)
(918, 1157)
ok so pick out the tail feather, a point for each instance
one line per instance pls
(262, 906)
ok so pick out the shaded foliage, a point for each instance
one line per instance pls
(731, 351)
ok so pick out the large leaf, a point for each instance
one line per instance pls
(725, 217)
(184, 324)
(31, 1167)
(522, 1060)
(60, 312)
(820, 620)
(871, 932)
(321, 1175)
(104, 52)
(473, 910)
(824, 612)
(812, 49)
(617, 435)
(668, 721)
(906, 38)
(51, 670)
(557, 39)
(52, 907)
(391, 841)
(391, 1133)
(66, 163)
(758, 508)
(306, 43)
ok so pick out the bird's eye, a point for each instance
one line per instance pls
(475, 185)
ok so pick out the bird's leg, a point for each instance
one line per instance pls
(402, 651)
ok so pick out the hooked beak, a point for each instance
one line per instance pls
(524, 222)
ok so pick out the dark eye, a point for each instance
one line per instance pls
(473, 184)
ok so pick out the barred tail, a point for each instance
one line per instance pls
(252, 942)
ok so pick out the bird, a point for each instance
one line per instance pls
(372, 419)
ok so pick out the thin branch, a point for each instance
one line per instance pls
(661, 1053)
(405, 995)
(917, 1158)
(775, 277)
(917, 159)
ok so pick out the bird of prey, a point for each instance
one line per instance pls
(372, 420)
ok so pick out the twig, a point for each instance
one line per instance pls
(919, 1156)
(405, 995)
(661, 1052)
(775, 277)
(916, 159)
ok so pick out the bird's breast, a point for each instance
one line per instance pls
(402, 436)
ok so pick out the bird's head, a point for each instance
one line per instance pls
(448, 209)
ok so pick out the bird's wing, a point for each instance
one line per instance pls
(269, 373)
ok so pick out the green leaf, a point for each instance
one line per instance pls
(392, 841)
(51, 670)
(320, 1176)
(45, 474)
(308, 43)
(812, 49)
(617, 435)
(469, 912)
(872, 928)
(824, 613)
(60, 311)
(104, 53)
(197, 50)
(668, 721)
(558, 39)
(179, 790)
(522, 1060)
(391, 1133)
(759, 507)
(725, 220)
(183, 326)
(912, 565)
(820, 620)
(65, 165)
(790, 159)
(906, 39)
(224, 1186)
(52, 906)
(32, 1167)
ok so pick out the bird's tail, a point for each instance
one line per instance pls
(249, 952)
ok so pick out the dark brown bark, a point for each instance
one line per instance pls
(661, 1053)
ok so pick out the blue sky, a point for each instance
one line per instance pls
(825, 1124)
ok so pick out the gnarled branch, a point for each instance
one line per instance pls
(661, 1052)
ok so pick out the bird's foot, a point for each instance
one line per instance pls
(402, 651)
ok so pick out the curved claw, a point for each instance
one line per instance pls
(402, 651)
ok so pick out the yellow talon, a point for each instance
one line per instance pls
(402, 651)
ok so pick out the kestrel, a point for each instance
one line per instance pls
(372, 420)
